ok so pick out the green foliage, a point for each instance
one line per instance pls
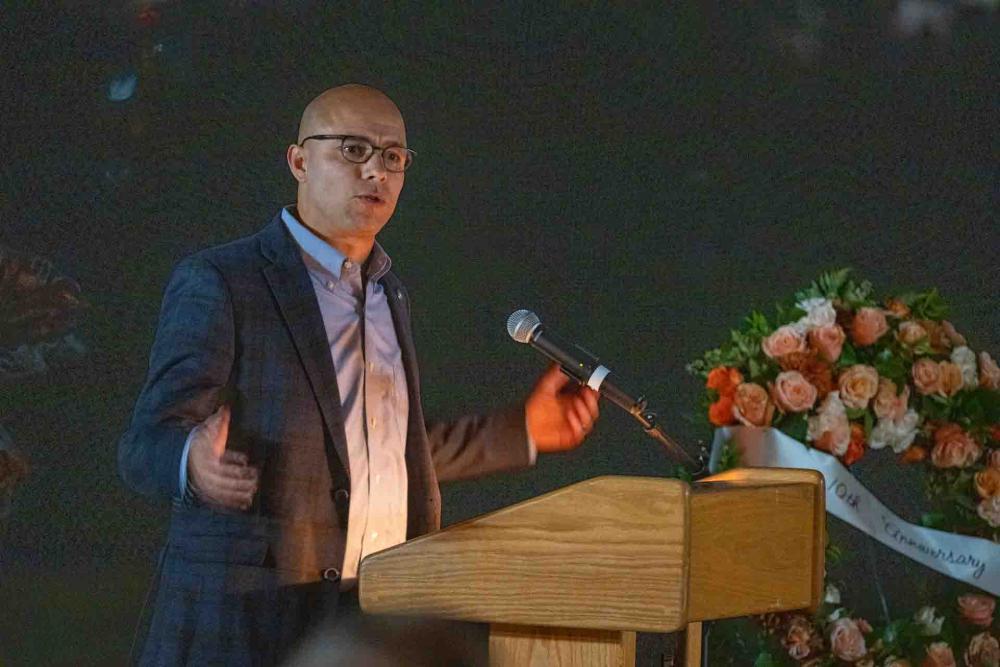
(891, 366)
(839, 287)
(794, 425)
(729, 456)
(927, 305)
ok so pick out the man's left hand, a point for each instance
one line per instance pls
(559, 412)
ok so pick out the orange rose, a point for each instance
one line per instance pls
(954, 448)
(724, 380)
(911, 333)
(858, 385)
(989, 372)
(914, 455)
(897, 308)
(939, 655)
(926, 376)
(784, 341)
(977, 609)
(868, 326)
(792, 392)
(888, 404)
(951, 379)
(720, 413)
(828, 341)
(753, 407)
(856, 448)
(988, 482)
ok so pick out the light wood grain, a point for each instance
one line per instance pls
(519, 646)
(693, 639)
(609, 553)
(757, 543)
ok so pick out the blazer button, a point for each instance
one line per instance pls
(341, 496)
(331, 574)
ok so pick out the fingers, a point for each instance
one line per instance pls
(552, 380)
(217, 428)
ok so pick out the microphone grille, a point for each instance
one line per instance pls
(521, 324)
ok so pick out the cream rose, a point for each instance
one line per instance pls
(828, 341)
(752, 406)
(910, 333)
(898, 434)
(893, 661)
(954, 337)
(928, 620)
(983, 651)
(977, 608)
(819, 313)
(846, 640)
(785, 340)
(889, 404)
(954, 448)
(830, 429)
(858, 385)
(965, 359)
(939, 655)
(792, 392)
(926, 376)
(951, 379)
(989, 511)
(989, 372)
(868, 326)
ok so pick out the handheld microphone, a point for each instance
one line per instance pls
(525, 327)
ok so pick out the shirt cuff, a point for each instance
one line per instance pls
(532, 448)
(186, 492)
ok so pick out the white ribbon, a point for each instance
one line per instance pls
(972, 560)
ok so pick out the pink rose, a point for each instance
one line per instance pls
(939, 655)
(926, 376)
(954, 448)
(983, 651)
(846, 640)
(792, 392)
(893, 661)
(868, 326)
(951, 379)
(988, 510)
(783, 341)
(800, 639)
(994, 459)
(828, 341)
(888, 403)
(957, 339)
(977, 609)
(858, 385)
(989, 372)
(752, 406)
(830, 430)
(911, 333)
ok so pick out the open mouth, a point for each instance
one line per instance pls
(371, 199)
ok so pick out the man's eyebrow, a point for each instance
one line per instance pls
(392, 142)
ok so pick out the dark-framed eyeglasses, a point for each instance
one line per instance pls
(360, 150)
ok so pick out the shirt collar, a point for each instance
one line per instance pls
(324, 254)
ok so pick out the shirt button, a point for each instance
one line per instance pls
(374, 422)
(330, 284)
(348, 264)
(375, 535)
(371, 365)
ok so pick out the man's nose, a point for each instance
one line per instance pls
(373, 169)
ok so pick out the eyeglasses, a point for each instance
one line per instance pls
(359, 151)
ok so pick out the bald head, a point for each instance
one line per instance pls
(345, 103)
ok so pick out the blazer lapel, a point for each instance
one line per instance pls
(296, 298)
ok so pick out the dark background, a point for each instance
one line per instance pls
(639, 178)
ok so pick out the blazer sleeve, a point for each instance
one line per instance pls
(478, 445)
(189, 366)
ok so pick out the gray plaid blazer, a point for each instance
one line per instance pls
(240, 324)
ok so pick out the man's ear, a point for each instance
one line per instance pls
(296, 159)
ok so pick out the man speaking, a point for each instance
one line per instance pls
(281, 414)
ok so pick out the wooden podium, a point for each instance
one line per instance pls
(569, 577)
